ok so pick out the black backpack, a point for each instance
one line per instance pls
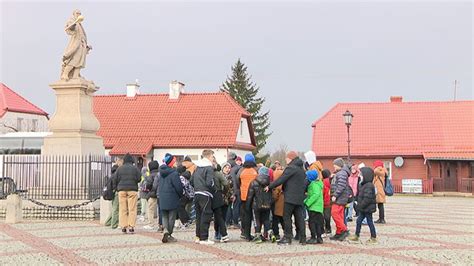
(263, 200)
(108, 191)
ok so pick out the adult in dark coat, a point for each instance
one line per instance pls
(293, 180)
(366, 204)
(171, 190)
(128, 177)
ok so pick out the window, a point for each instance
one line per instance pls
(241, 128)
(388, 166)
(34, 125)
(19, 122)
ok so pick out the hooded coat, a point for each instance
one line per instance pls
(218, 197)
(340, 186)
(314, 200)
(170, 188)
(366, 199)
(203, 178)
(128, 175)
(260, 182)
(293, 180)
(278, 196)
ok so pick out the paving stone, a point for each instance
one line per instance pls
(341, 259)
(4, 237)
(28, 259)
(87, 230)
(454, 257)
(51, 224)
(13, 246)
(101, 241)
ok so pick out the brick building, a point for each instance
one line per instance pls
(431, 141)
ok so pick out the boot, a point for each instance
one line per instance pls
(319, 240)
(312, 241)
(335, 237)
(284, 242)
(354, 238)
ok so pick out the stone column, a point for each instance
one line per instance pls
(14, 209)
(74, 124)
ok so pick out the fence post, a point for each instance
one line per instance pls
(14, 209)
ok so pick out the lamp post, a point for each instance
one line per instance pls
(348, 121)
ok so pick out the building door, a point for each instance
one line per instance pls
(450, 176)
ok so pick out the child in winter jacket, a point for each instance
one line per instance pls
(327, 200)
(261, 202)
(315, 203)
(366, 204)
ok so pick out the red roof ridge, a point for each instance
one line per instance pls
(159, 94)
(236, 105)
(5, 87)
(414, 102)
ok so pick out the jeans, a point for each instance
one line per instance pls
(113, 218)
(262, 218)
(290, 210)
(381, 211)
(370, 223)
(233, 212)
(203, 216)
(316, 223)
(169, 218)
(219, 222)
(127, 208)
(350, 210)
(327, 218)
(246, 220)
(337, 213)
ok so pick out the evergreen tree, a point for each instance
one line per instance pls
(245, 92)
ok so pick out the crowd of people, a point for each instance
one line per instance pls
(258, 199)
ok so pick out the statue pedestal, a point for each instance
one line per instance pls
(74, 124)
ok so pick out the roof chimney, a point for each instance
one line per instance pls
(133, 89)
(396, 99)
(176, 88)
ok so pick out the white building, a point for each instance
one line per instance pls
(150, 125)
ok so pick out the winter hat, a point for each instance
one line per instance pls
(367, 174)
(187, 159)
(312, 175)
(128, 158)
(153, 165)
(181, 169)
(231, 156)
(277, 162)
(249, 158)
(310, 157)
(339, 162)
(226, 164)
(264, 171)
(326, 173)
(238, 159)
(292, 155)
(378, 163)
(169, 160)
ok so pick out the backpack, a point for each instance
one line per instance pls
(388, 187)
(108, 191)
(263, 200)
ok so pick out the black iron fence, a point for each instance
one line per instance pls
(45, 177)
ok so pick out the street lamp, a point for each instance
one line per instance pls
(348, 121)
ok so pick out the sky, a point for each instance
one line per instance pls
(305, 56)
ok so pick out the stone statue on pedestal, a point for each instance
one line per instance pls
(74, 57)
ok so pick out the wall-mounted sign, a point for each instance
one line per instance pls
(399, 161)
(413, 186)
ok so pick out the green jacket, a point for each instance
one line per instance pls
(314, 200)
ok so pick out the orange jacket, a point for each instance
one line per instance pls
(245, 177)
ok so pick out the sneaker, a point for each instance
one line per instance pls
(312, 241)
(131, 230)
(335, 237)
(257, 238)
(382, 221)
(124, 230)
(284, 242)
(206, 242)
(196, 240)
(319, 240)
(243, 237)
(225, 239)
(343, 235)
(172, 239)
(165, 238)
(372, 240)
(353, 238)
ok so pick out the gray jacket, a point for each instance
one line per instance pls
(340, 186)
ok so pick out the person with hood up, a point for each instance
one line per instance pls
(128, 177)
(340, 198)
(366, 204)
(293, 180)
(327, 200)
(379, 181)
(204, 188)
(261, 202)
(219, 206)
(245, 176)
(315, 203)
(152, 201)
(353, 181)
(171, 191)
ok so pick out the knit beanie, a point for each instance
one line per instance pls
(249, 158)
(339, 162)
(292, 155)
(310, 157)
(226, 164)
(264, 171)
(326, 173)
(153, 165)
(312, 175)
(169, 160)
(231, 156)
(378, 163)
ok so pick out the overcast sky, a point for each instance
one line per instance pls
(305, 56)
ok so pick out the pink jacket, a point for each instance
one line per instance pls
(354, 180)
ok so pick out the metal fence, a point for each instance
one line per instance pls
(46, 177)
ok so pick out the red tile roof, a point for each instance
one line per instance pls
(11, 101)
(195, 120)
(462, 155)
(397, 128)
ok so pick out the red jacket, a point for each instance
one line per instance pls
(327, 192)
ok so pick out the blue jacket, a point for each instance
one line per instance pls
(170, 188)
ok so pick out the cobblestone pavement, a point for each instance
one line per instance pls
(420, 230)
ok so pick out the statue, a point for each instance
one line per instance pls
(74, 57)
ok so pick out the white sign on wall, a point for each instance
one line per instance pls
(413, 186)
